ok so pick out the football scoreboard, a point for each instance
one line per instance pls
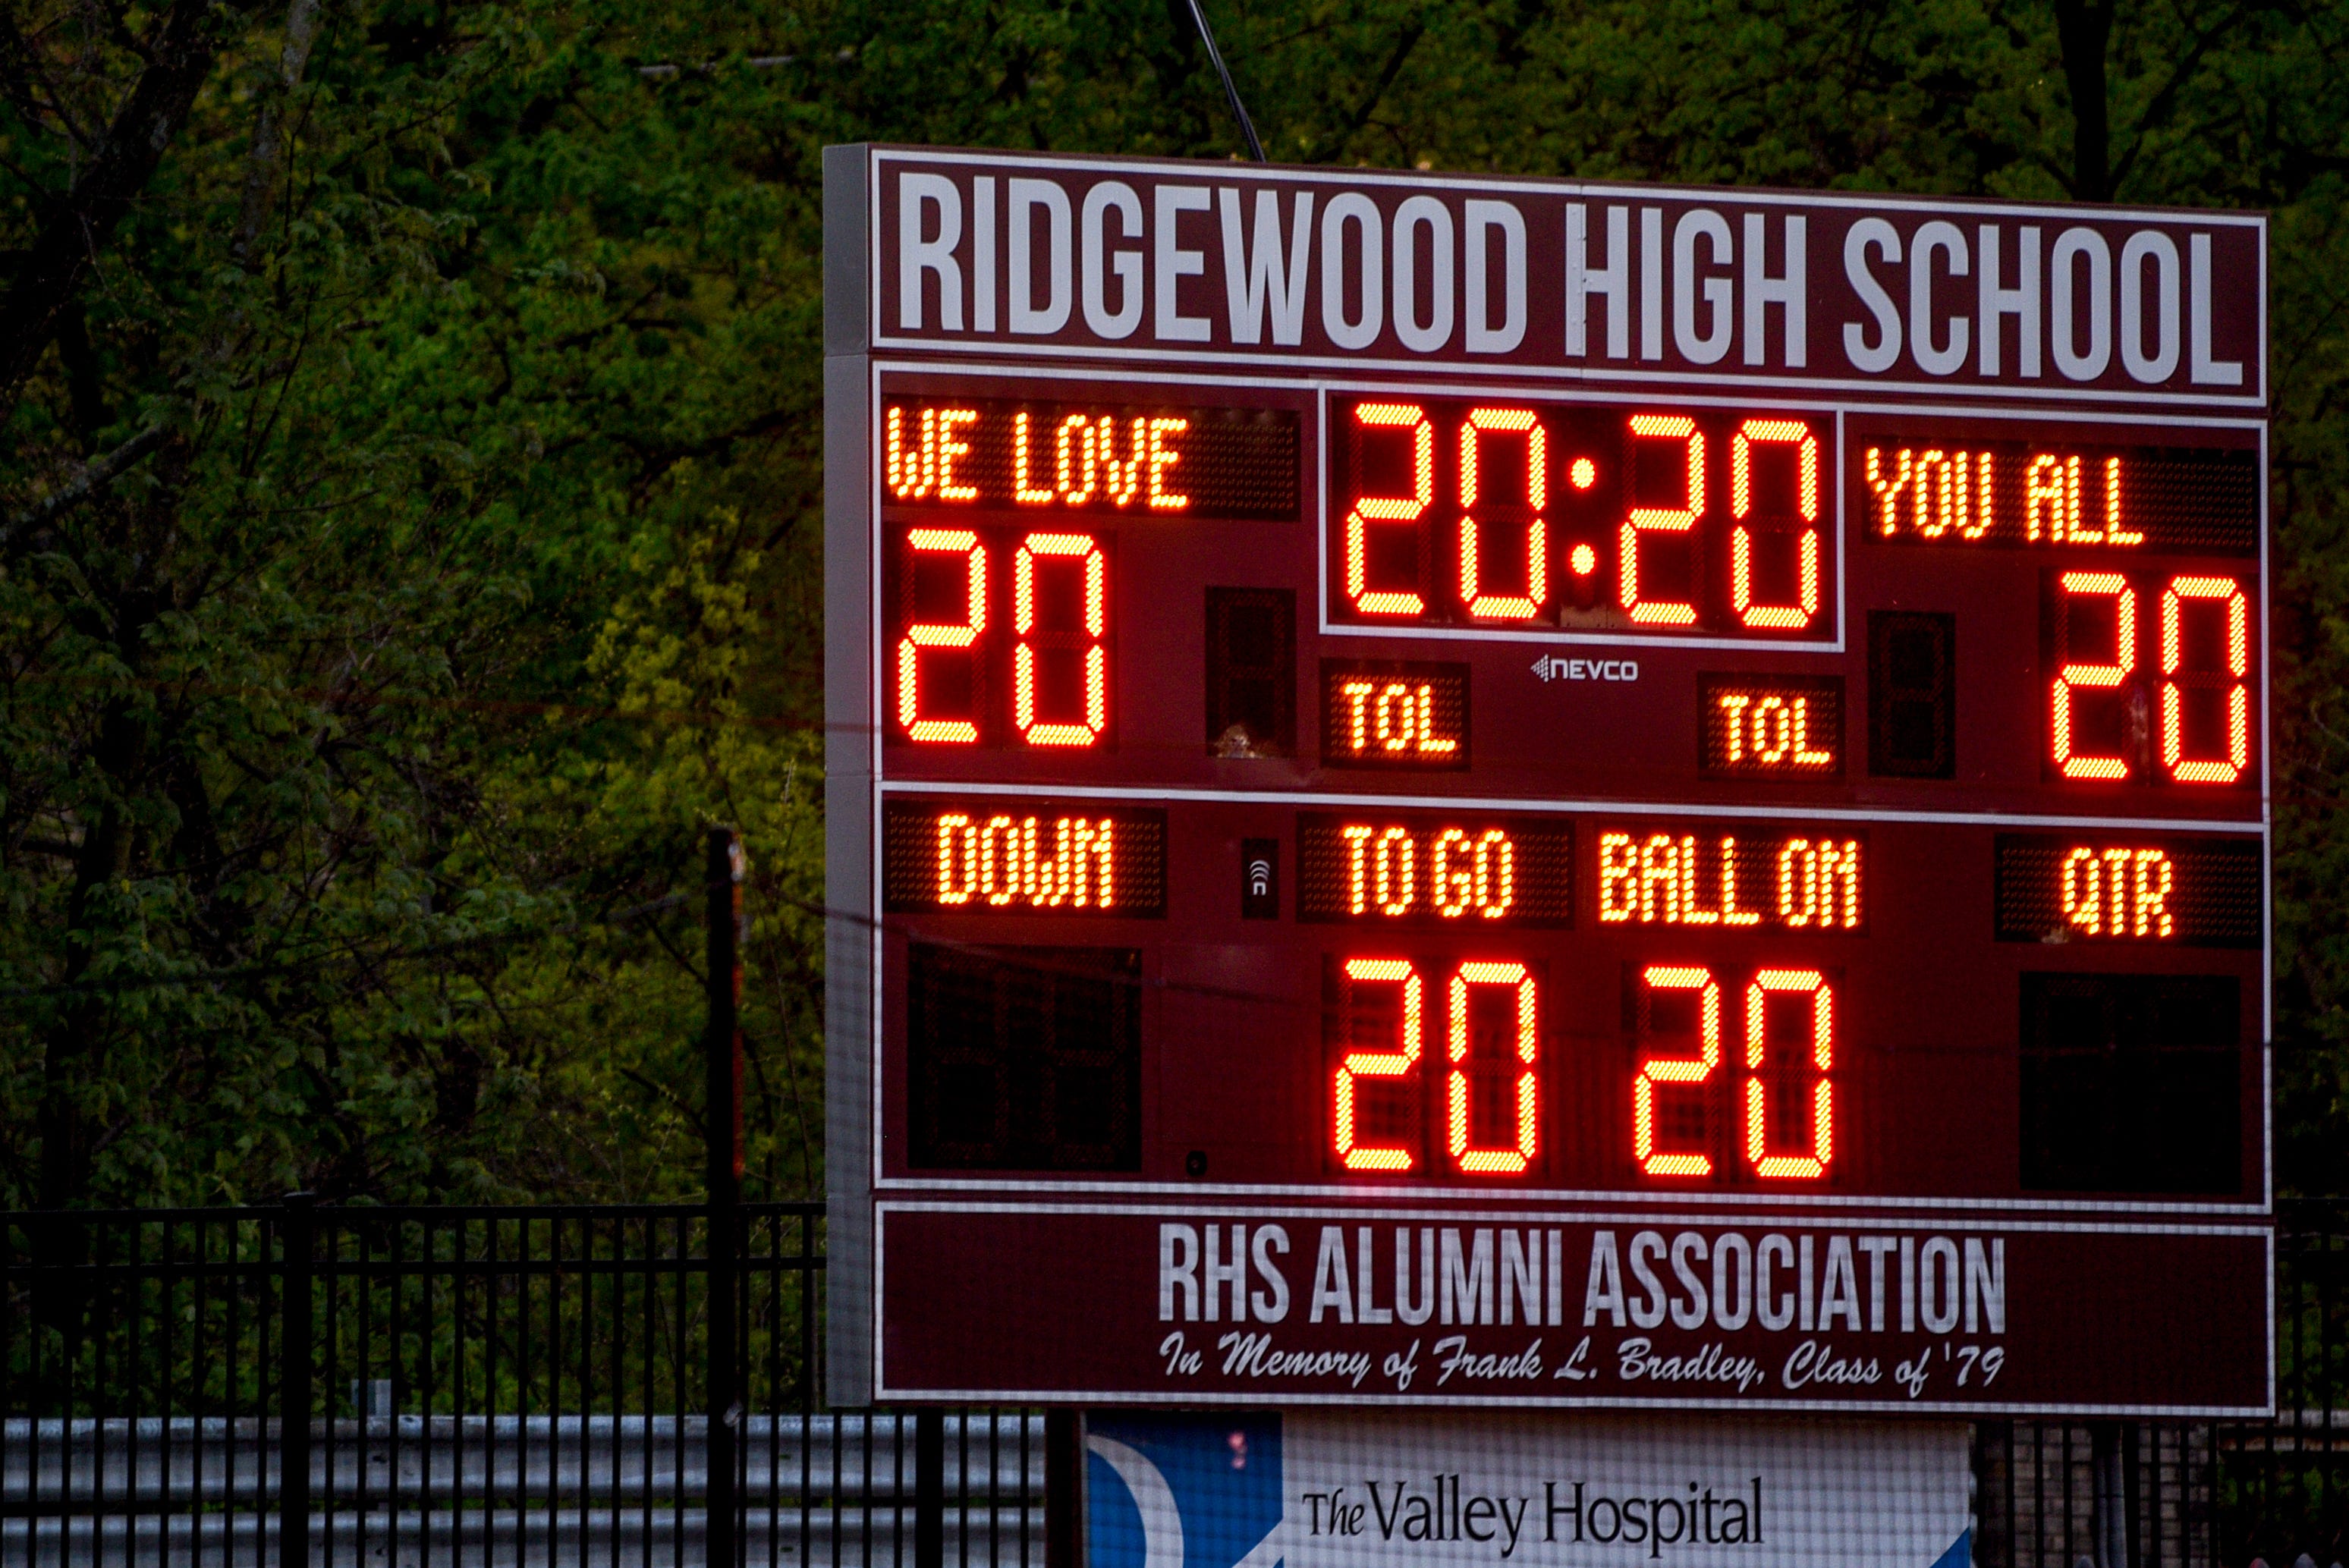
(1456, 792)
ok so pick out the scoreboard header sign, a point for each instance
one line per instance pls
(1303, 272)
(1486, 792)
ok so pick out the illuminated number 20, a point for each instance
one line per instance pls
(1403, 1063)
(1084, 640)
(1658, 1074)
(2224, 594)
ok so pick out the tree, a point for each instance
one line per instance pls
(410, 533)
(409, 474)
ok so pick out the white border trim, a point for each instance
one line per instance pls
(1616, 1211)
(1724, 811)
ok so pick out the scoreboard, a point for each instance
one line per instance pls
(1465, 791)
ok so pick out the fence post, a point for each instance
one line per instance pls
(296, 1304)
(722, 1120)
(930, 1488)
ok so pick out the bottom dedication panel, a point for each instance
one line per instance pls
(1301, 1307)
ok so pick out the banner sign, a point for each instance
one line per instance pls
(1259, 1490)
(1765, 1312)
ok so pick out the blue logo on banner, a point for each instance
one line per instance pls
(1182, 1491)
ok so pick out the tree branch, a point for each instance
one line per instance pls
(18, 74)
(75, 226)
(261, 166)
(2157, 108)
(95, 476)
(1405, 42)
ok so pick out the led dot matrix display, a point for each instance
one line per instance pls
(1015, 857)
(1408, 716)
(1771, 726)
(2061, 495)
(1448, 520)
(1736, 878)
(996, 454)
(1470, 871)
(2128, 890)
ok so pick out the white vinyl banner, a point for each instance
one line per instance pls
(1312, 1490)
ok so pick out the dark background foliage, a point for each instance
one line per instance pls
(410, 528)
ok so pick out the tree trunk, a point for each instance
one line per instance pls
(76, 225)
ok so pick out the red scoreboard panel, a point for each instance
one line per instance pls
(1504, 792)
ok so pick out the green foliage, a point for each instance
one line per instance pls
(357, 742)
(356, 737)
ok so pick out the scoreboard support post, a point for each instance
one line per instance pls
(1064, 1488)
(849, 756)
(2113, 1457)
(722, 1130)
(1449, 796)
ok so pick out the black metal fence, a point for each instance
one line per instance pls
(291, 1386)
(301, 1385)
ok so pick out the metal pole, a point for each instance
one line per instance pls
(2109, 1513)
(722, 1114)
(1224, 74)
(296, 1304)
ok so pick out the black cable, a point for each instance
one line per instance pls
(1231, 93)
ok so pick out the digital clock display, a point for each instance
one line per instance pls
(1273, 794)
(1507, 515)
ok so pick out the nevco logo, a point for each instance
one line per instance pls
(1550, 668)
